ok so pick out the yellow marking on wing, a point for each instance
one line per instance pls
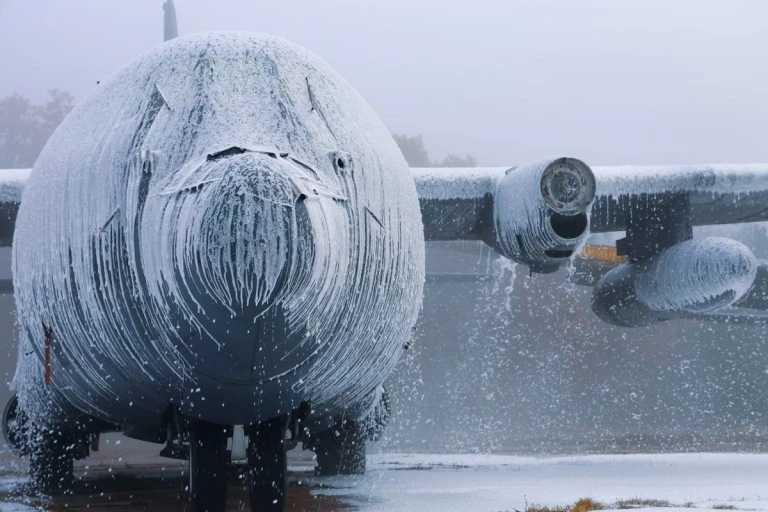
(602, 253)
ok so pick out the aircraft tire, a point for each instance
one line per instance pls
(340, 450)
(51, 462)
(268, 466)
(207, 467)
(14, 425)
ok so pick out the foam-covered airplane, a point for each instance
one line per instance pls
(223, 241)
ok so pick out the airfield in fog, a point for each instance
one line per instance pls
(510, 363)
(512, 383)
(512, 393)
(510, 388)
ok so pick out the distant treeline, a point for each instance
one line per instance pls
(25, 128)
(417, 155)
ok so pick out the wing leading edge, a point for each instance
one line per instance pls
(457, 203)
(717, 194)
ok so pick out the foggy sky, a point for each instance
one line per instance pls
(661, 81)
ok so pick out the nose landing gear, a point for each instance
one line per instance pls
(207, 466)
(267, 466)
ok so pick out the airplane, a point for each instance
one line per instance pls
(223, 242)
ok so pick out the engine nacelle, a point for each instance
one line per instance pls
(540, 212)
(692, 277)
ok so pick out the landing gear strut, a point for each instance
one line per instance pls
(267, 466)
(51, 461)
(207, 466)
(340, 450)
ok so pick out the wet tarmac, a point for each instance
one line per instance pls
(128, 475)
(131, 494)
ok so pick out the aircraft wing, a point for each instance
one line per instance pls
(12, 182)
(718, 194)
(457, 203)
(537, 215)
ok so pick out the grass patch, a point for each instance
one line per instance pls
(588, 505)
(538, 508)
(643, 503)
(582, 505)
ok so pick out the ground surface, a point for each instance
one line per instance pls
(128, 477)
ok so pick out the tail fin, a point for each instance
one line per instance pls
(171, 30)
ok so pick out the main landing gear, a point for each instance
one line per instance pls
(51, 457)
(51, 452)
(340, 450)
(51, 461)
(267, 466)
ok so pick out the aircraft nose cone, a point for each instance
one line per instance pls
(222, 244)
(234, 232)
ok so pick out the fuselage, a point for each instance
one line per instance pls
(224, 227)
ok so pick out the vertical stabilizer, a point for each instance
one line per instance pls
(171, 30)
